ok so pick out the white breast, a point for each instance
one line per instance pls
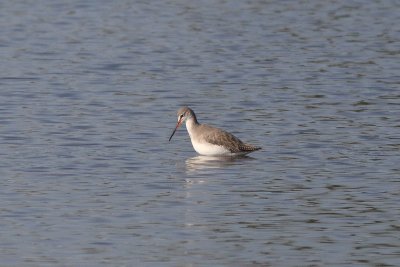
(208, 149)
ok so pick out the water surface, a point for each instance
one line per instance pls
(89, 93)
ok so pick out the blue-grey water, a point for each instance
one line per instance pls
(89, 92)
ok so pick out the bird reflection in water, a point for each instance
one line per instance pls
(212, 162)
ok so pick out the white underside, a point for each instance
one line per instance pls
(208, 149)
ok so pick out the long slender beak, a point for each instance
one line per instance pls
(176, 128)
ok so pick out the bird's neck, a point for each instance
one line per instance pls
(191, 124)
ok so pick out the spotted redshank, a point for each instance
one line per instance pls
(211, 141)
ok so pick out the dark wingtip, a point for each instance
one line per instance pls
(250, 148)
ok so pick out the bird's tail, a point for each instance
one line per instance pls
(248, 147)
